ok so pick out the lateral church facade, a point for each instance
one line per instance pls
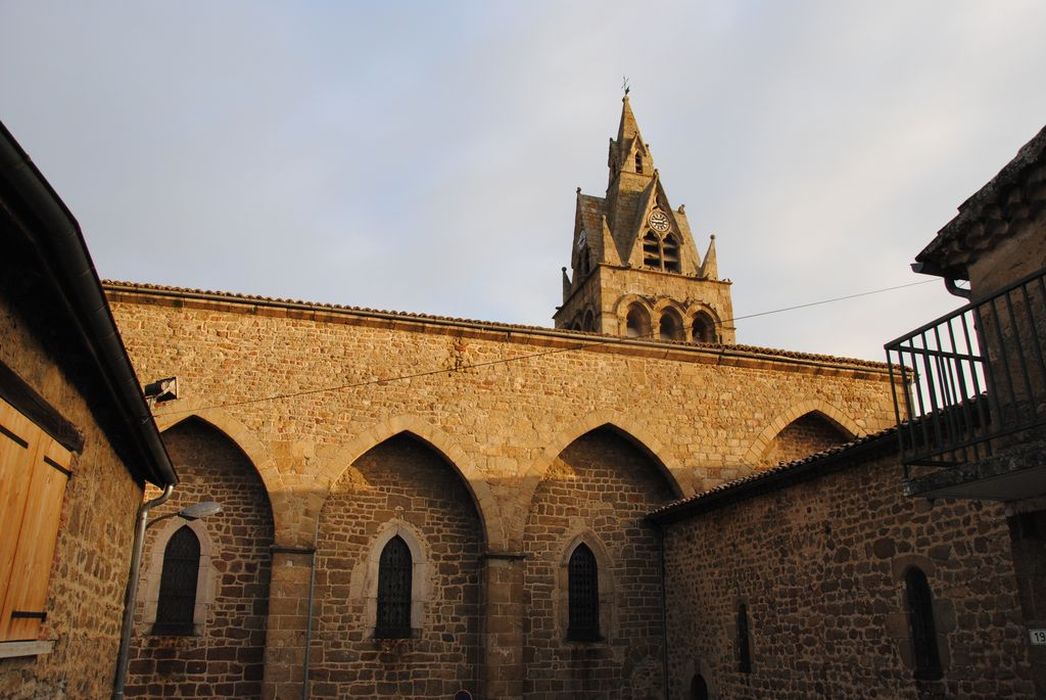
(488, 454)
(419, 506)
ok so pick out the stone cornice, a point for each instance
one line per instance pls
(744, 356)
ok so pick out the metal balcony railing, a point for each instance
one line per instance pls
(968, 384)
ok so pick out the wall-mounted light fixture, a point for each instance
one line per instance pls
(161, 390)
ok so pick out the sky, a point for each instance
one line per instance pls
(423, 156)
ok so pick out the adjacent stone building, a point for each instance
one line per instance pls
(77, 444)
(841, 575)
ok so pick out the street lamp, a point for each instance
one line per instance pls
(190, 513)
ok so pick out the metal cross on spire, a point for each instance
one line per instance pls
(624, 84)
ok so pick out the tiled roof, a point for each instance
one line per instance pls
(783, 474)
(592, 209)
(248, 299)
(1012, 198)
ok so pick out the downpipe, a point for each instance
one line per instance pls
(131, 594)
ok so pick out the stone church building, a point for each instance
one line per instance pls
(488, 453)
(627, 505)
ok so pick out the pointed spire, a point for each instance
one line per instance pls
(566, 283)
(628, 128)
(710, 269)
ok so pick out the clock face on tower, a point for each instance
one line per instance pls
(658, 221)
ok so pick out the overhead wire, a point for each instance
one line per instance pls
(587, 343)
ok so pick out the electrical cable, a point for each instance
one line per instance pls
(477, 365)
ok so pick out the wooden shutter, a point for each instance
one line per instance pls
(34, 470)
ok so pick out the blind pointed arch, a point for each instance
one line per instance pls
(395, 572)
(583, 595)
(181, 569)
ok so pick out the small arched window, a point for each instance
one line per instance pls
(744, 645)
(921, 625)
(670, 327)
(637, 322)
(583, 595)
(704, 329)
(698, 688)
(584, 263)
(670, 253)
(181, 569)
(395, 569)
(639, 162)
(589, 323)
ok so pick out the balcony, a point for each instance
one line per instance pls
(970, 397)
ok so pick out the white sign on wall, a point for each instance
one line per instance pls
(1038, 637)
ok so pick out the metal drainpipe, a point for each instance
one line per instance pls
(123, 658)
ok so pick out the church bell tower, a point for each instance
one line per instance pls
(634, 269)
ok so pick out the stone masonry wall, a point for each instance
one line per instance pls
(820, 565)
(501, 424)
(305, 391)
(225, 658)
(85, 594)
(401, 481)
(599, 490)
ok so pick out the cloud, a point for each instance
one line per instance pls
(424, 157)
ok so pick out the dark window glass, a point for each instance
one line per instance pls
(583, 598)
(181, 567)
(698, 688)
(394, 590)
(744, 647)
(921, 624)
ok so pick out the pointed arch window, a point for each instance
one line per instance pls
(661, 253)
(583, 595)
(181, 569)
(589, 323)
(921, 624)
(698, 688)
(744, 644)
(395, 569)
(639, 162)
